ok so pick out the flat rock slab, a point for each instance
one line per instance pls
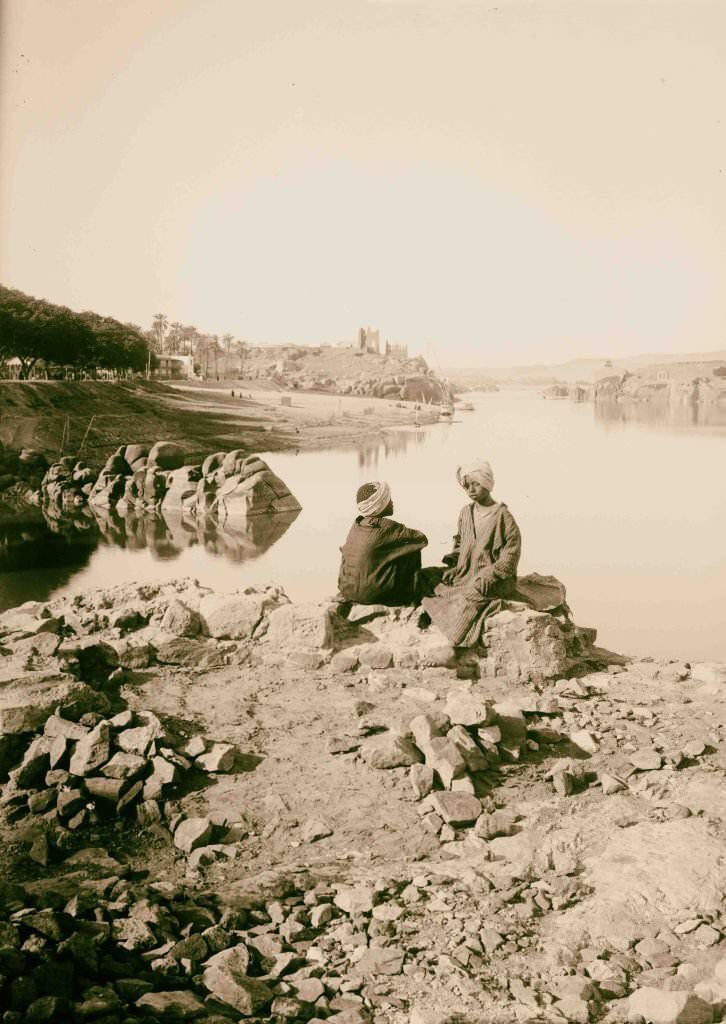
(381, 960)
(391, 752)
(171, 1005)
(659, 1007)
(26, 703)
(456, 809)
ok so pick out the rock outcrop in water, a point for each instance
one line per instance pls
(136, 478)
(21, 474)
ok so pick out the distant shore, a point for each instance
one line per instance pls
(312, 419)
(94, 417)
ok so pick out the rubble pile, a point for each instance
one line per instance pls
(83, 768)
(118, 950)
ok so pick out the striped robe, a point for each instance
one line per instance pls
(486, 574)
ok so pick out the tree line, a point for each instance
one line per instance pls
(212, 353)
(35, 331)
(32, 330)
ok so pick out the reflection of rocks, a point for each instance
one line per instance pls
(233, 504)
(167, 535)
(662, 414)
(39, 553)
(38, 541)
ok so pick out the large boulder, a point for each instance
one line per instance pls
(108, 489)
(166, 455)
(181, 487)
(302, 626)
(252, 489)
(526, 646)
(236, 616)
(27, 703)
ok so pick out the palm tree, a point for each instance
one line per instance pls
(227, 340)
(175, 337)
(159, 326)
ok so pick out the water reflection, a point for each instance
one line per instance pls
(663, 415)
(167, 536)
(42, 549)
(395, 443)
(41, 552)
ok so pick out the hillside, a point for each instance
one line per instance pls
(587, 370)
(91, 418)
(345, 370)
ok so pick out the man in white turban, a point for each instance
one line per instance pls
(483, 563)
(381, 559)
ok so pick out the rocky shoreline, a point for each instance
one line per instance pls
(228, 806)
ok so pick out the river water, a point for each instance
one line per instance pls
(626, 505)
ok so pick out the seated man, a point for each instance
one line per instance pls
(483, 564)
(381, 559)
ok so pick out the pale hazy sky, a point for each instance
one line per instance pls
(494, 182)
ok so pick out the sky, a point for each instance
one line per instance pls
(504, 182)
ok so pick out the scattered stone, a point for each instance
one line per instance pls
(456, 809)
(179, 1005)
(391, 751)
(660, 1007)
(424, 728)
(475, 759)
(344, 661)
(445, 758)
(647, 760)
(376, 656)
(611, 784)
(585, 741)
(225, 975)
(93, 750)
(193, 832)
(422, 779)
(465, 709)
(354, 900)
(381, 960)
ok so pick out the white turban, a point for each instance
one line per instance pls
(479, 470)
(376, 502)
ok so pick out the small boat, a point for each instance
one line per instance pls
(447, 412)
(467, 407)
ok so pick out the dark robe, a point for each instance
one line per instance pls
(381, 562)
(486, 575)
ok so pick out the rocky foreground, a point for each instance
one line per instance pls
(229, 807)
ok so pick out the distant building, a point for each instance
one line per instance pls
(398, 351)
(369, 341)
(175, 367)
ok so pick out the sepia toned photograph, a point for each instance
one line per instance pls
(362, 503)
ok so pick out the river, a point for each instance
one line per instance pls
(626, 505)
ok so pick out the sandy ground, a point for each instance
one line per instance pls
(616, 887)
(312, 420)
